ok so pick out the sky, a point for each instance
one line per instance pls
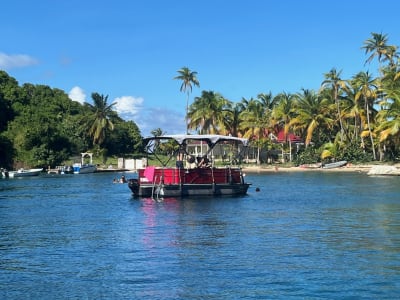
(131, 50)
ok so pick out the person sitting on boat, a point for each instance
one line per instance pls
(123, 179)
(190, 162)
(203, 162)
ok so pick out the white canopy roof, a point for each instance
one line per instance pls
(211, 139)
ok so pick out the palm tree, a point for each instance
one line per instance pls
(389, 116)
(312, 114)
(256, 120)
(377, 46)
(284, 110)
(208, 113)
(188, 79)
(100, 119)
(157, 132)
(232, 119)
(367, 92)
(335, 83)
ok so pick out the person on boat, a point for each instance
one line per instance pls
(203, 162)
(179, 159)
(191, 162)
(123, 179)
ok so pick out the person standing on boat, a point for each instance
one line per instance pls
(179, 159)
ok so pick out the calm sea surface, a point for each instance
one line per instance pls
(311, 235)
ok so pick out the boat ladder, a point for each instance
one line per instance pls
(157, 187)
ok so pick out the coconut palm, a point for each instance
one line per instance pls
(336, 84)
(352, 112)
(208, 113)
(256, 120)
(377, 47)
(232, 119)
(312, 115)
(101, 118)
(389, 116)
(283, 111)
(188, 79)
(367, 93)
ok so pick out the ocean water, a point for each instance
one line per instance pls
(304, 235)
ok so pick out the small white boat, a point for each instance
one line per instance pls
(84, 168)
(336, 164)
(24, 173)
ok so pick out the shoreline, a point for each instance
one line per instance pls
(359, 168)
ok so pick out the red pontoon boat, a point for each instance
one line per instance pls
(195, 172)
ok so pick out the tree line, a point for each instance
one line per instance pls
(355, 119)
(40, 126)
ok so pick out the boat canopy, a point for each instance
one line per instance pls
(211, 139)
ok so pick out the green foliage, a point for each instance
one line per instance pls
(308, 155)
(6, 152)
(41, 126)
(354, 153)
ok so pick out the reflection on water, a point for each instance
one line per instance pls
(305, 235)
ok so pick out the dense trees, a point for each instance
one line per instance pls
(355, 118)
(41, 126)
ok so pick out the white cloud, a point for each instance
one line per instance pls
(128, 106)
(77, 94)
(16, 61)
(170, 121)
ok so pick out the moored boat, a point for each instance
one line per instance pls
(25, 173)
(84, 168)
(333, 165)
(195, 173)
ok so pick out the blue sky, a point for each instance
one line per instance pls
(131, 50)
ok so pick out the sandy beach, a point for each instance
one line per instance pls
(360, 168)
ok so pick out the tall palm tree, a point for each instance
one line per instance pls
(284, 110)
(256, 121)
(377, 47)
(335, 83)
(233, 120)
(389, 116)
(188, 79)
(100, 119)
(367, 93)
(313, 114)
(353, 114)
(208, 113)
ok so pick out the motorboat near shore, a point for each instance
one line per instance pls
(195, 172)
(84, 168)
(336, 164)
(24, 173)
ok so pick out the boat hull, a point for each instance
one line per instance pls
(25, 173)
(193, 183)
(337, 164)
(84, 169)
(191, 190)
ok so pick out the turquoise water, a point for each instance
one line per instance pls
(311, 235)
